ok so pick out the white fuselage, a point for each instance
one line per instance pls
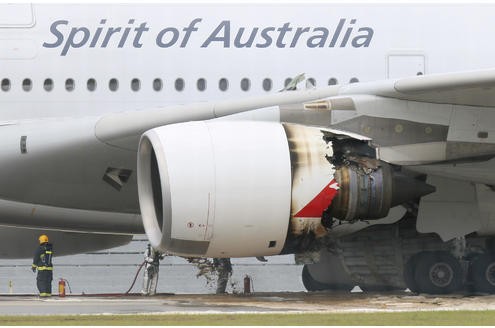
(203, 46)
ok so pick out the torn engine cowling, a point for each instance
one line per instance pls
(234, 189)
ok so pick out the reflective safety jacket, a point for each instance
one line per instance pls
(42, 259)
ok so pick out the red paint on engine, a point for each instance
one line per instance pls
(317, 205)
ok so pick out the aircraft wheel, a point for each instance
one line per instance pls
(409, 271)
(438, 273)
(309, 282)
(483, 273)
(313, 285)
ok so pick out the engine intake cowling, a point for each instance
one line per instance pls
(234, 189)
(215, 189)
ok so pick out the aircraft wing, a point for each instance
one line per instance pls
(474, 88)
(124, 129)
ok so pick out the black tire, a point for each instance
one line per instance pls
(490, 245)
(483, 273)
(313, 285)
(438, 273)
(409, 271)
(309, 282)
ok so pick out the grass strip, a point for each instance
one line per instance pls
(428, 318)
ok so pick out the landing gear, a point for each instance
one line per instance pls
(393, 257)
(483, 273)
(434, 273)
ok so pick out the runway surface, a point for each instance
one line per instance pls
(255, 303)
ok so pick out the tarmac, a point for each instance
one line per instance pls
(299, 302)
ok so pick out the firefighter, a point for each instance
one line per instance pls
(224, 270)
(42, 262)
(151, 267)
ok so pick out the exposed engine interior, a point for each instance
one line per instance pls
(369, 188)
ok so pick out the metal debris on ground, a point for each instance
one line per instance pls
(206, 269)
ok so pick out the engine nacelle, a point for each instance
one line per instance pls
(234, 189)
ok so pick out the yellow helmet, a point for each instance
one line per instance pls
(43, 239)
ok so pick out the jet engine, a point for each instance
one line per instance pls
(235, 189)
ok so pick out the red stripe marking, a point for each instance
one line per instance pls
(317, 205)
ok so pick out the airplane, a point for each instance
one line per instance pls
(195, 124)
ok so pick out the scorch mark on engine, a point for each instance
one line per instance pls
(313, 185)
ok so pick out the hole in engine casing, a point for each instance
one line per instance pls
(156, 189)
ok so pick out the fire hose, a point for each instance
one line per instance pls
(135, 277)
